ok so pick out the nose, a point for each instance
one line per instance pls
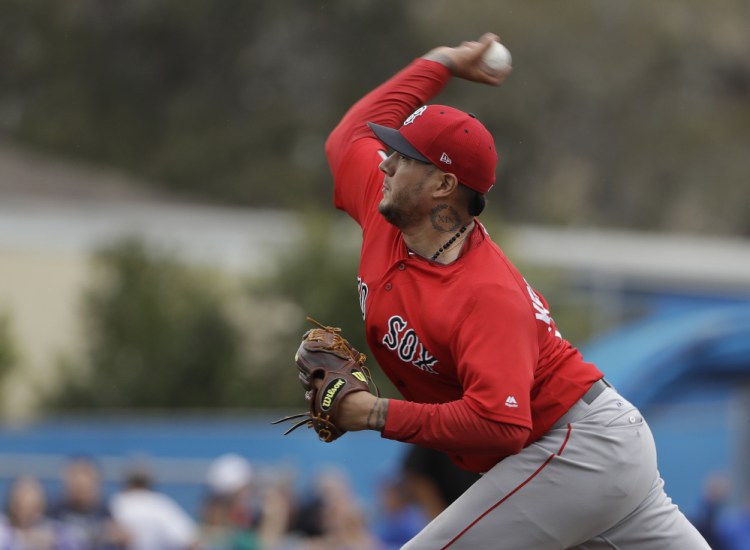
(386, 165)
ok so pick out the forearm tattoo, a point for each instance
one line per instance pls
(445, 218)
(376, 416)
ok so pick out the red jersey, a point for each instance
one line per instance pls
(471, 332)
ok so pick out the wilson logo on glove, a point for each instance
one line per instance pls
(330, 368)
(330, 394)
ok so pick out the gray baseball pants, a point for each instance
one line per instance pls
(590, 483)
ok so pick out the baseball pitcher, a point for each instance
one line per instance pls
(485, 375)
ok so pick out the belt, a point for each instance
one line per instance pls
(575, 412)
(595, 390)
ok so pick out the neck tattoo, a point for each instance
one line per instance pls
(450, 242)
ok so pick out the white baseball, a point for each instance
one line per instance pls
(497, 57)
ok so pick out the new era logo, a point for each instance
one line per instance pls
(445, 159)
(511, 402)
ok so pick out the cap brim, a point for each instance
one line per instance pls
(393, 139)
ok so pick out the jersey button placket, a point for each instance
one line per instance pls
(389, 286)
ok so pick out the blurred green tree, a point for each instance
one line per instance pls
(617, 114)
(161, 334)
(157, 336)
(319, 276)
(8, 349)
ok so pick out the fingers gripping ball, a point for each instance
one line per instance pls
(497, 57)
(330, 368)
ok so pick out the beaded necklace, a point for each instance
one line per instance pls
(450, 242)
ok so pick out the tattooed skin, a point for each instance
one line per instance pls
(440, 58)
(445, 218)
(376, 417)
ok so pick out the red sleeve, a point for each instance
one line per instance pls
(459, 431)
(497, 347)
(352, 150)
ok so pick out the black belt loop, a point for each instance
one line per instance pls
(573, 413)
(595, 390)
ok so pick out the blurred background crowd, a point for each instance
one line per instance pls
(239, 508)
(166, 225)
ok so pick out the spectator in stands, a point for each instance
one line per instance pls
(216, 529)
(343, 524)
(399, 518)
(433, 479)
(230, 477)
(278, 506)
(733, 528)
(231, 483)
(152, 520)
(707, 518)
(25, 525)
(83, 511)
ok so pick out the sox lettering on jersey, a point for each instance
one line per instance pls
(541, 312)
(362, 291)
(404, 340)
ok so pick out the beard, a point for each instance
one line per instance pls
(396, 216)
(390, 212)
(401, 208)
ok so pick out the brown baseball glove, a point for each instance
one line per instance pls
(327, 356)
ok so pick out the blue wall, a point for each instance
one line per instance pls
(684, 365)
(181, 447)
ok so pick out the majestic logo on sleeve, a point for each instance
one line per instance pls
(404, 341)
(541, 312)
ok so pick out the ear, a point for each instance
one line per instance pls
(447, 185)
